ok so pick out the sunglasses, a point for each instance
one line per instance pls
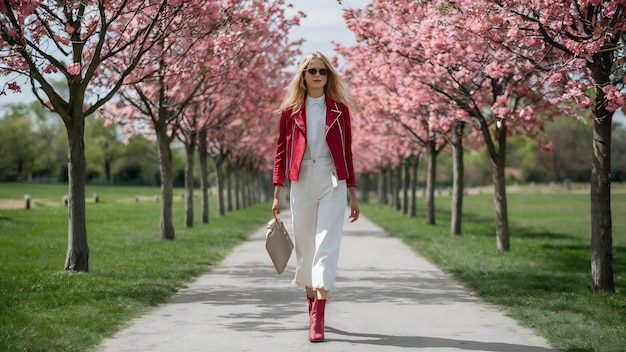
(313, 71)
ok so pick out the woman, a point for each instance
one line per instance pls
(314, 151)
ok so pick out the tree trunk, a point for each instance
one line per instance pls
(249, 179)
(77, 257)
(499, 200)
(249, 193)
(204, 178)
(229, 188)
(601, 218)
(382, 187)
(430, 182)
(190, 148)
(415, 167)
(167, 181)
(239, 191)
(221, 210)
(365, 188)
(397, 187)
(458, 175)
(389, 186)
(407, 186)
(601, 223)
(252, 192)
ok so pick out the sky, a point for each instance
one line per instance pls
(324, 23)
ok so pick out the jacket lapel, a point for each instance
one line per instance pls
(332, 114)
(300, 120)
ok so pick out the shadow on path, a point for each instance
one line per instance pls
(429, 342)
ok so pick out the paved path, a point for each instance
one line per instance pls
(387, 299)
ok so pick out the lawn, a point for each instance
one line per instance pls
(45, 308)
(544, 280)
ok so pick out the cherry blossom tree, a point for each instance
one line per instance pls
(256, 66)
(380, 115)
(463, 74)
(512, 64)
(586, 40)
(192, 83)
(44, 40)
(389, 87)
(171, 75)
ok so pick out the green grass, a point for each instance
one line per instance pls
(544, 280)
(44, 308)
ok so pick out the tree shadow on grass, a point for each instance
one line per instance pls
(556, 268)
(7, 218)
(569, 258)
(481, 226)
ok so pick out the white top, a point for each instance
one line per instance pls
(316, 146)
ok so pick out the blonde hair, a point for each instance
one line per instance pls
(334, 89)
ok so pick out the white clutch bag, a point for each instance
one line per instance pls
(278, 244)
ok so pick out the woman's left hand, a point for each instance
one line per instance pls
(354, 212)
(354, 205)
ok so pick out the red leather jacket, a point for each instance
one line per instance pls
(292, 142)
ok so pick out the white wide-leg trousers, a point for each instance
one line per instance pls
(318, 209)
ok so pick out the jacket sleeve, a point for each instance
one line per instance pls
(280, 158)
(351, 181)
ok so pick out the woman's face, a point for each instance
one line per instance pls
(316, 75)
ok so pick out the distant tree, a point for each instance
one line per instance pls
(618, 152)
(50, 144)
(139, 165)
(103, 147)
(17, 140)
(570, 158)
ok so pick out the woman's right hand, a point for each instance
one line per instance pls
(276, 203)
(276, 209)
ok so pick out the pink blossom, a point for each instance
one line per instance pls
(556, 79)
(584, 102)
(547, 147)
(614, 97)
(14, 87)
(49, 69)
(73, 69)
(502, 99)
(609, 9)
(69, 29)
(49, 105)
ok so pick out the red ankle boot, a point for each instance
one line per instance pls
(316, 330)
(310, 300)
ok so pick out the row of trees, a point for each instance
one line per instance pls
(464, 74)
(204, 73)
(33, 147)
